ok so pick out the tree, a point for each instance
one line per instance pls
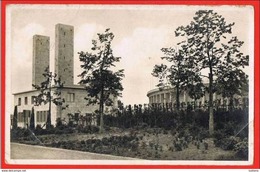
(99, 75)
(120, 106)
(204, 38)
(173, 74)
(49, 92)
(231, 80)
(15, 118)
(32, 123)
(179, 73)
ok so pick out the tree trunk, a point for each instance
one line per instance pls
(101, 110)
(177, 98)
(231, 103)
(211, 115)
(48, 122)
(101, 105)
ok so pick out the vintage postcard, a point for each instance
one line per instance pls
(129, 84)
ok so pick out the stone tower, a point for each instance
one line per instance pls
(41, 57)
(64, 48)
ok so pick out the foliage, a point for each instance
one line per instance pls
(204, 43)
(231, 79)
(99, 77)
(49, 93)
(59, 123)
(18, 133)
(173, 74)
(15, 118)
(32, 122)
(180, 74)
(67, 130)
(227, 143)
(40, 131)
(89, 129)
(241, 149)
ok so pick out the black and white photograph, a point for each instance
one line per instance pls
(129, 84)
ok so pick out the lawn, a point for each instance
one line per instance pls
(143, 143)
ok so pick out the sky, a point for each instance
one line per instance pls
(140, 33)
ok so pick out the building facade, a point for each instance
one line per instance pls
(167, 95)
(64, 50)
(74, 95)
(41, 57)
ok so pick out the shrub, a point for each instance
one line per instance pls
(107, 128)
(229, 128)
(178, 146)
(51, 130)
(229, 143)
(38, 130)
(67, 130)
(241, 149)
(19, 133)
(218, 136)
(58, 122)
(203, 134)
(142, 125)
(90, 129)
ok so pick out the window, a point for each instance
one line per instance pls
(45, 116)
(27, 114)
(20, 117)
(26, 100)
(71, 97)
(33, 98)
(19, 101)
(23, 116)
(41, 116)
(37, 117)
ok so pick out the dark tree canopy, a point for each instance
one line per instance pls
(179, 73)
(15, 118)
(32, 120)
(230, 78)
(211, 48)
(101, 80)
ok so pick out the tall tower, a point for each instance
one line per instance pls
(64, 47)
(41, 57)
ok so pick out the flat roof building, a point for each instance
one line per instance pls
(74, 95)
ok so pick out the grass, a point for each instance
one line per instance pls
(148, 143)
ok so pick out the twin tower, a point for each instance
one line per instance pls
(64, 49)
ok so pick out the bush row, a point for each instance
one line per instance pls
(105, 145)
(23, 132)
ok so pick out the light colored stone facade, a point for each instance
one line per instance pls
(41, 57)
(76, 104)
(22, 104)
(168, 95)
(64, 50)
(74, 95)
